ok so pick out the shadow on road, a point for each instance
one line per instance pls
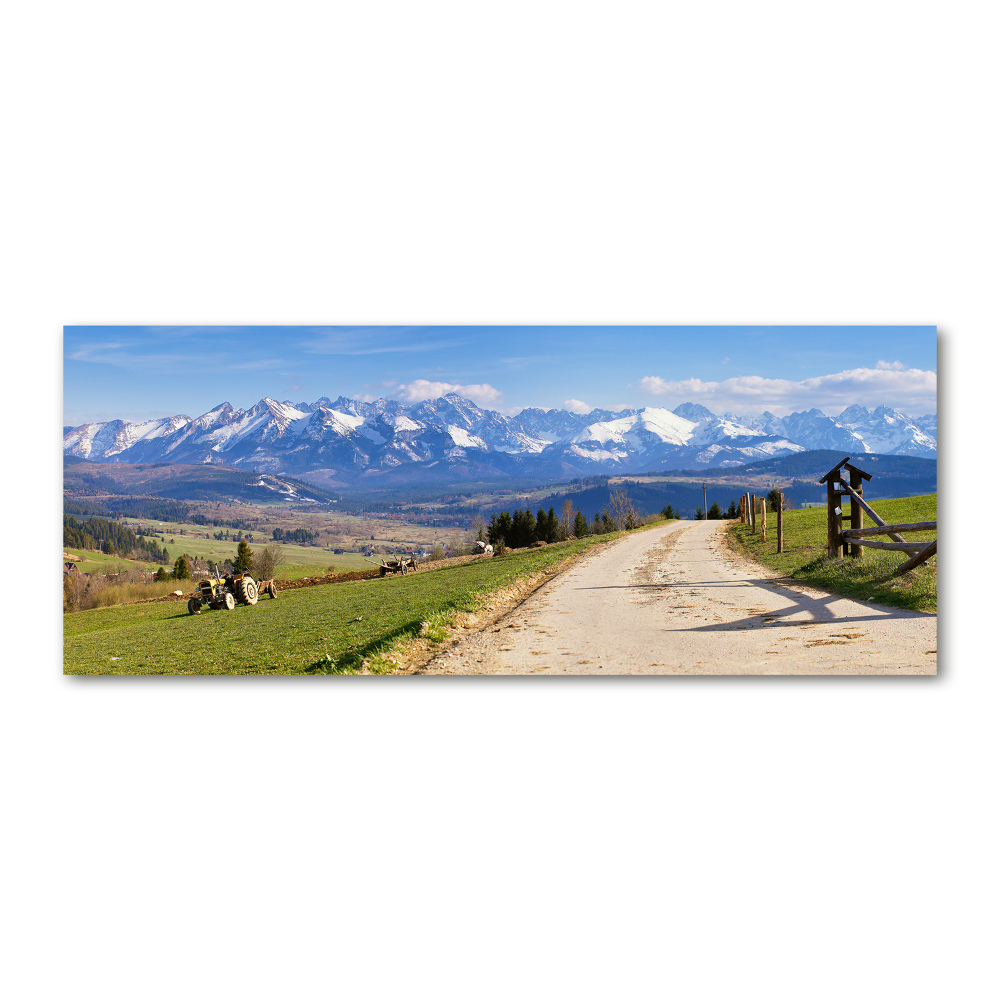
(815, 609)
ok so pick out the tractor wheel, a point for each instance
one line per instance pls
(193, 607)
(230, 602)
(246, 590)
(272, 590)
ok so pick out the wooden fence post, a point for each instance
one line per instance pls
(781, 506)
(857, 512)
(763, 519)
(753, 514)
(832, 520)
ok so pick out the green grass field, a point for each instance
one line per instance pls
(870, 577)
(313, 629)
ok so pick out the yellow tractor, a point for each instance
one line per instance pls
(223, 593)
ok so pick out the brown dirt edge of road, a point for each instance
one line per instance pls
(739, 555)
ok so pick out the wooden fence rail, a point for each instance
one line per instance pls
(888, 529)
(922, 556)
(896, 546)
(861, 503)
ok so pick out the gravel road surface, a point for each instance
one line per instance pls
(676, 600)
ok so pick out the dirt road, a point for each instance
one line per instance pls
(675, 600)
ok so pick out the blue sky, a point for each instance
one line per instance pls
(137, 373)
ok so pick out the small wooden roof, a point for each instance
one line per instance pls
(846, 464)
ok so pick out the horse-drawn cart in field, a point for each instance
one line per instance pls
(398, 564)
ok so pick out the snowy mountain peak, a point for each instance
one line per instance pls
(694, 412)
(385, 435)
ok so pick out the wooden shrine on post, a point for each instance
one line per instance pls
(840, 538)
(836, 489)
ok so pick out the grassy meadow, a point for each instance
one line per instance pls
(322, 629)
(867, 578)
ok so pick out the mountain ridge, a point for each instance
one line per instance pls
(451, 436)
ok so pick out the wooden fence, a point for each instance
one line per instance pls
(840, 539)
(753, 511)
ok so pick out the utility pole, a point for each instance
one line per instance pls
(704, 487)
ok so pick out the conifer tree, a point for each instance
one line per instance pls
(541, 526)
(580, 525)
(524, 528)
(500, 529)
(182, 569)
(552, 532)
(243, 562)
(715, 512)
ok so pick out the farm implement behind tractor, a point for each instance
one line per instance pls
(223, 593)
(398, 565)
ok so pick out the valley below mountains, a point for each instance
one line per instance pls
(451, 439)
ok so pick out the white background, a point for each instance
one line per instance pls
(527, 162)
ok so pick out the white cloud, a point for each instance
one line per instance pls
(908, 389)
(576, 406)
(655, 385)
(421, 389)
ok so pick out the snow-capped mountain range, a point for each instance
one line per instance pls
(451, 437)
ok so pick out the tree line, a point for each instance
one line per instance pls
(224, 536)
(238, 523)
(101, 535)
(150, 508)
(715, 511)
(301, 535)
(520, 528)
